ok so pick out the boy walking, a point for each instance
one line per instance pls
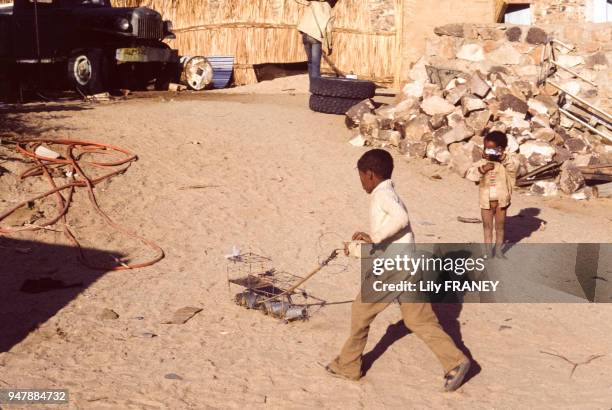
(390, 225)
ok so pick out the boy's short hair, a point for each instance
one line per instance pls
(499, 138)
(378, 161)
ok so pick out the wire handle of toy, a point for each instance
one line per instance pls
(330, 258)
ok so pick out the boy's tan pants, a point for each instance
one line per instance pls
(418, 317)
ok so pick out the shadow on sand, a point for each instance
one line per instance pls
(448, 316)
(36, 281)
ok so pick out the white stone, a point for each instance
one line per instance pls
(394, 138)
(537, 107)
(545, 188)
(436, 105)
(418, 72)
(569, 61)
(358, 141)
(540, 121)
(457, 133)
(413, 89)
(455, 118)
(572, 87)
(531, 147)
(45, 152)
(451, 84)
(505, 55)
(513, 145)
(463, 156)
(471, 52)
(438, 151)
(471, 103)
(583, 193)
(566, 122)
(515, 120)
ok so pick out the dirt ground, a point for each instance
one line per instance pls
(279, 180)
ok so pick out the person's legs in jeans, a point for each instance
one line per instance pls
(315, 65)
(313, 53)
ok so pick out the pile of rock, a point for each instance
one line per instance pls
(444, 112)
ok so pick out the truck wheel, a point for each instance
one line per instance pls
(88, 71)
(331, 105)
(342, 87)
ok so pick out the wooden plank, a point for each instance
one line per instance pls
(502, 5)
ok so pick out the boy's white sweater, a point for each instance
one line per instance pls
(389, 216)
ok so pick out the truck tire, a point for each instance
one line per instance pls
(342, 87)
(89, 71)
(331, 105)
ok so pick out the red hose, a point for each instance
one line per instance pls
(79, 179)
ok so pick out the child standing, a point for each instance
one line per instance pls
(390, 225)
(496, 174)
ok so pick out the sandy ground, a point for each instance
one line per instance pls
(279, 176)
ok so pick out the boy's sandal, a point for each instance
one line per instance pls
(454, 378)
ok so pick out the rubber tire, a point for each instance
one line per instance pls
(100, 71)
(331, 105)
(342, 87)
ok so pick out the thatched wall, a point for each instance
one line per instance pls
(365, 38)
(264, 31)
(253, 31)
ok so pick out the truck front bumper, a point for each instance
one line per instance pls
(146, 55)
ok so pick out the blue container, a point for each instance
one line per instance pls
(223, 66)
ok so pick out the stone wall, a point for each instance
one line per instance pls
(419, 18)
(558, 11)
(382, 14)
(473, 79)
(470, 47)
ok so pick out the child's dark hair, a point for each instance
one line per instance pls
(499, 138)
(378, 161)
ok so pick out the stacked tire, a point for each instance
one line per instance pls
(336, 95)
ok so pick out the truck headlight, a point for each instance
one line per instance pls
(123, 24)
(168, 26)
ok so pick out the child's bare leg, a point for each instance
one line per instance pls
(500, 220)
(487, 224)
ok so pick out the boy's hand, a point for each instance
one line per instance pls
(362, 236)
(346, 249)
(487, 167)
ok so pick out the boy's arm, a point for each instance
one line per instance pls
(473, 174)
(511, 163)
(398, 219)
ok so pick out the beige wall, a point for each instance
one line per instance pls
(420, 17)
(559, 11)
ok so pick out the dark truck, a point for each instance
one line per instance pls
(89, 43)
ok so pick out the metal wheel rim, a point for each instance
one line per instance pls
(198, 72)
(82, 70)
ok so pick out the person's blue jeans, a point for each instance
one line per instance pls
(313, 52)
